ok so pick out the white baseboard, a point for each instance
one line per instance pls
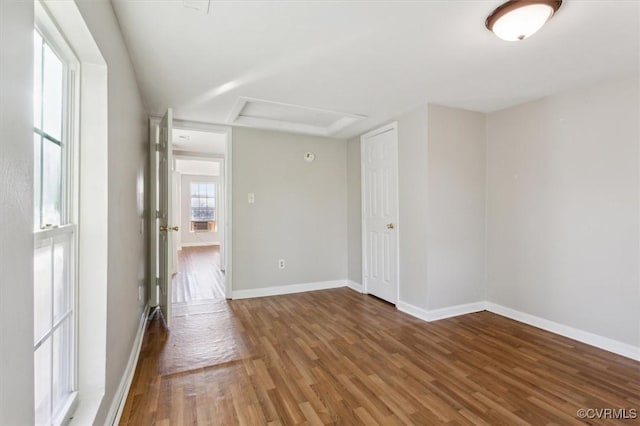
(355, 286)
(198, 244)
(592, 339)
(442, 313)
(120, 398)
(287, 289)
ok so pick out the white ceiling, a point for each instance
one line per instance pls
(373, 58)
(197, 141)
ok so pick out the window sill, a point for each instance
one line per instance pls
(87, 409)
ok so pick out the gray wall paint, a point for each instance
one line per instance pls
(127, 171)
(456, 207)
(412, 208)
(300, 210)
(354, 212)
(16, 213)
(563, 209)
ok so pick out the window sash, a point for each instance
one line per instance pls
(60, 338)
(203, 201)
(49, 37)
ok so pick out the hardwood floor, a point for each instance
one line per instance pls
(199, 276)
(338, 357)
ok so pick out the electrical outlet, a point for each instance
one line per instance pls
(281, 264)
(140, 293)
(251, 198)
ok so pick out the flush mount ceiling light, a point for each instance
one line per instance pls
(518, 19)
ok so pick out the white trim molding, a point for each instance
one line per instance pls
(592, 339)
(287, 289)
(355, 286)
(120, 397)
(441, 313)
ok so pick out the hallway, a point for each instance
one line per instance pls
(199, 276)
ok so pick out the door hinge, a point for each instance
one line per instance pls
(158, 214)
(158, 147)
(157, 281)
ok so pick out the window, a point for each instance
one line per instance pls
(203, 206)
(55, 234)
(49, 81)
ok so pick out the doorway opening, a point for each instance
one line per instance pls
(200, 208)
(190, 240)
(199, 187)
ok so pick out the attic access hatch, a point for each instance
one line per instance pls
(249, 112)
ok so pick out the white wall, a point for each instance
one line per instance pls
(563, 209)
(127, 173)
(456, 207)
(354, 212)
(200, 238)
(300, 211)
(16, 213)
(412, 208)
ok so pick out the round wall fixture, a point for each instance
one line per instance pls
(309, 157)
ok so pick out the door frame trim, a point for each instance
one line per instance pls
(363, 138)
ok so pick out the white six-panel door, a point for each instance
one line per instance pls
(379, 160)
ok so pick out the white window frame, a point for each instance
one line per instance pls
(68, 229)
(215, 207)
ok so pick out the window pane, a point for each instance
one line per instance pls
(62, 283)
(194, 202)
(211, 202)
(51, 183)
(62, 357)
(42, 291)
(37, 80)
(42, 390)
(211, 190)
(37, 176)
(52, 94)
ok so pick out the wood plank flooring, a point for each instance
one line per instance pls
(338, 357)
(199, 276)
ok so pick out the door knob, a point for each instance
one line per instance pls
(389, 225)
(164, 228)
